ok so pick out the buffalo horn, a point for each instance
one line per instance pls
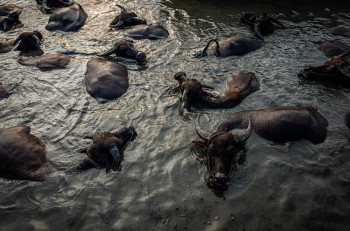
(37, 42)
(257, 28)
(109, 52)
(185, 94)
(202, 133)
(115, 154)
(242, 137)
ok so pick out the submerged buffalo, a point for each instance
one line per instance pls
(3, 92)
(125, 48)
(29, 45)
(334, 48)
(339, 30)
(147, 32)
(126, 19)
(9, 16)
(105, 80)
(5, 45)
(67, 19)
(48, 6)
(233, 46)
(262, 23)
(280, 124)
(238, 87)
(336, 70)
(46, 62)
(23, 156)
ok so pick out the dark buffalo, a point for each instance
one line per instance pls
(238, 87)
(67, 19)
(107, 148)
(9, 16)
(339, 30)
(336, 70)
(46, 62)
(147, 32)
(126, 19)
(105, 80)
(48, 6)
(334, 48)
(3, 92)
(5, 45)
(125, 48)
(29, 43)
(281, 125)
(23, 155)
(233, 46)
(262, 23)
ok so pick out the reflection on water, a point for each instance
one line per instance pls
(296, 186)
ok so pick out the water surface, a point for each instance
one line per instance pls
(161, 186)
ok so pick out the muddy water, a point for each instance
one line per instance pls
(161, 185)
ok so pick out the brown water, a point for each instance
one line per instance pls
(161, 186)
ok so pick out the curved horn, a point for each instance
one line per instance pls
(242, 137)
(109, 52)
(119, 24)
(257, 28)
(16, 41)
(204, 52)
(202, 133)
(66, 3)
(185, 94)
(115, 154)
(277, 22)
(46, 7)
(121, 7)
(4, 25)
(37, 42)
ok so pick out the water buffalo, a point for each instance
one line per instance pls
(3, 92)
(238, 87)
(48, 6)
(9, 16)
(107, 148)
(339, 30)
(29, 43)
(105, 80)
(333, 48)
(67, 19)
(5, 45)
(147, 32)
(336, 70)
(280, 124)
(23, 156)
(125, 48)
(234, 46)
(46, 62)
(125, 19)
(262, 23)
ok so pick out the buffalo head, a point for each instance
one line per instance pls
(221, 148)
(125, 48)
(29, 43)
(336, 69)
(107, 147)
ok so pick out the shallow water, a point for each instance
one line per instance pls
(161, 186)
